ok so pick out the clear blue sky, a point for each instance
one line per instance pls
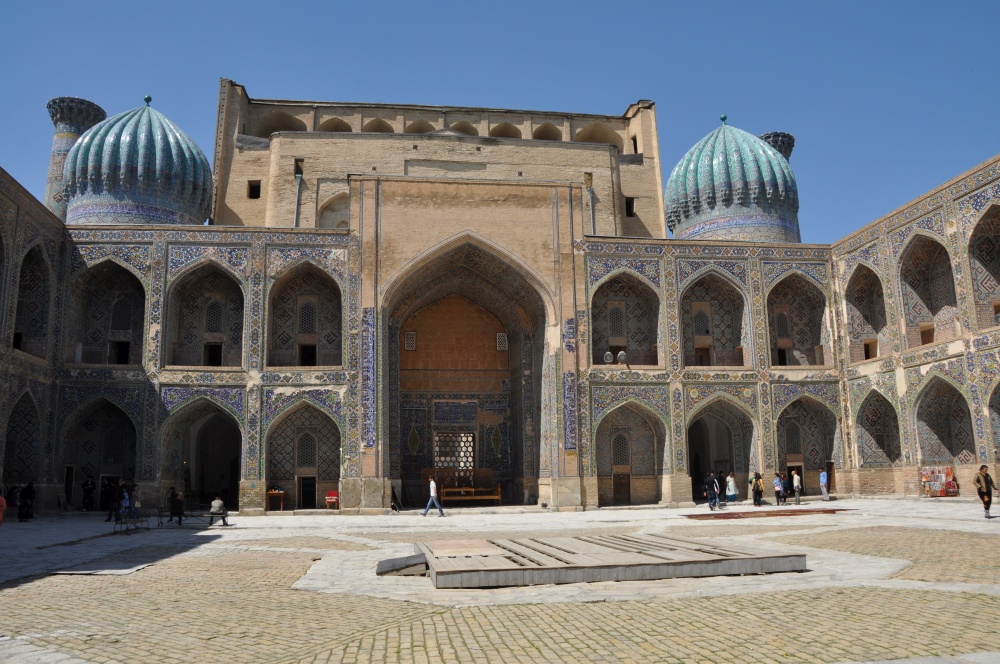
(886, 99)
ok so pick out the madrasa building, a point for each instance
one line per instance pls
(358, 295)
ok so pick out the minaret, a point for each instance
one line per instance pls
(71, 116)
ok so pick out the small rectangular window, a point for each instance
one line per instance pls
(17, 340)
(298, 166)
(629, 206)
(307, 355)
(871, 349)
(253, 189)
(409, 340)
(927, 335)
(213, 355)
(502, 341)
(782, 357)
(702, 357)
(635, 145)
(118, 352)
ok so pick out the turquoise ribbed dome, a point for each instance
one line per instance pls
(733, 186)
(137, 167)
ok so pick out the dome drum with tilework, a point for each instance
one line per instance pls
(134, 168)
(733, 185)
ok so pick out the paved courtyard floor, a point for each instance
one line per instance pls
(912, 580)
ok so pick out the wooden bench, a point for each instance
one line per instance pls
(201, 516)
(463, 483)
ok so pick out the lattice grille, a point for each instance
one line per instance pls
(702, 324)
(616, 319)
(502, 341)
(793, 438)
(307, 318)
(781, 326)
(410, 341)
(454, 450)
(307, 450)
(213, 317)
(619, 450)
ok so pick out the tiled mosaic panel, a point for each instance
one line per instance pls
(984, 268)
(641, 318)
(866, 317)
(23, 454)
(644, 445)
(944, 425)
(108, 304)
(102, 441)
(742, 455)
(285, 454)
(33, 292)
(209, 307)
(928, 290)
(728, 321)
(877, 432)
(601, 266)
(290, 323)
(806, 309)
(806, 428)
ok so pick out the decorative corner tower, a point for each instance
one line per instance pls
(71, 116)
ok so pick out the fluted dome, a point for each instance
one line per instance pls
(137, 168)
(733, 186)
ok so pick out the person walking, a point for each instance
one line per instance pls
(797, 487)
(985, 488)
(778, 492)
(88, 495)
(172, 494)
(434, 499)
(823, 479)
(731, 487)
(26, 502)
(711, 491)
(177, 507)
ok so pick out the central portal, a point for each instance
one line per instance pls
(461, 335)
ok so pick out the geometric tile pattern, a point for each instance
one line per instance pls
(727, 322)
(209, 307)
(944, 425)
(644, 444)
(878, 433)
(24, 443)
(814, 427)
(806, 313)
(928, 290)
(291, 297)
(641, 316)
(102, 441)
(286, 452)
(866, 317)
(33, 304)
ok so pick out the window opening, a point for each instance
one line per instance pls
(298, 166)
(629, 206)
(927, 335)
(793, 439)
(620, 450)
(782, 357)
(17, 341)
(454, 450)
(213, 355)
(635, 145)
(307, 450)
(307, 355)
(121, 316)
(118, 352)
(702, 357)
(502, 341)
(307, 318)
(871, 349)
(409, 341)
(213, 317)
(253, 189)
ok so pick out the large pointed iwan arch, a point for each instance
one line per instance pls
(205, 318)
(930, 308)
(463, 340)
(715, 322)
(944, 424)
(22, 459)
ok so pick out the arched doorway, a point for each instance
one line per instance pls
(629, 447)
(303, 456)
(720, 439)
(807, 431)
(463, 365)
(100, 445)
(201, 452)
(23, 447)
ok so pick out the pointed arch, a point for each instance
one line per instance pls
(100, 439)
(984, 268)
(335, 212)
(927, 284)
(304, 442)
(726, 339)
(419, 127)
(305, 318)
(34, 303)
(629, 441)
(994, 412)
(464, 127)
(944, 424)
(23, 442)
(804, 338)
(625, 316)
(505, 130)
(106, 320)
(867, 324)
(335, 125)
(598, 132)
(195, 337)
(721, 436)
(377, 126)
(547, 132)
(817, 431)
(277, 121)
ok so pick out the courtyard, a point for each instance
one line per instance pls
(886, 580)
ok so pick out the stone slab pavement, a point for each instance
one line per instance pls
(271, 580)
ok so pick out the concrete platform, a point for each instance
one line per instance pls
(558, 560)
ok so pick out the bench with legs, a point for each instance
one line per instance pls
(201, 516)
(131, 522)
(463, 484)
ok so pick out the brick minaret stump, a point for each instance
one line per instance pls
(71, 116)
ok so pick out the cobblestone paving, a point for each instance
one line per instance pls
(730, 530)
(424, 535)
(305, 542)
(820, 626)
(937, 555)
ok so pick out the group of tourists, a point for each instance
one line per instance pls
(783, 484)
(714, 485)
(123, 501)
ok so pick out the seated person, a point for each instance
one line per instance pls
(218, 507)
